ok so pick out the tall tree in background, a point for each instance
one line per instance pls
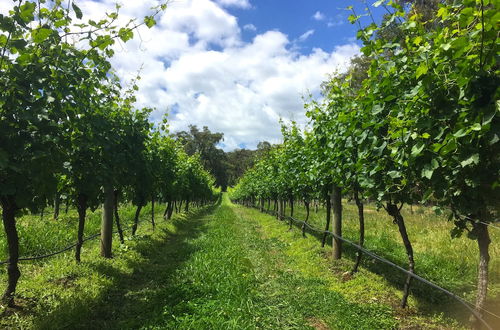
(204, 142)
(226, 167)
(240, 160)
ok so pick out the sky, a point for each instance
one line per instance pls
(236, 66)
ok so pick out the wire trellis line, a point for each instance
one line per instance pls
(69, 247)
(465, 303)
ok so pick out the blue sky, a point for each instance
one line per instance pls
(327, 18)
(236, 66)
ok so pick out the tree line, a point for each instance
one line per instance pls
(69, 128)
(226, 167)
(415, 120)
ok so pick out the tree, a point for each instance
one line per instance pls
(33, 115)
(238, 161)
(444, 118)
(415, 120)
(204, 143)
(84, 171)
(41, 77)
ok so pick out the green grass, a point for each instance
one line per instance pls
(41, 234)
(448, 262)
(308, 258)
(54, 290)
(240, 279)
(221, 267)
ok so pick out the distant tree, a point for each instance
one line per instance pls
(238, 161)
(264, 146)
(227, 168)
(204, 142)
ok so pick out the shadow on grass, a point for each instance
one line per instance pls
(429, 300)
(134, 299)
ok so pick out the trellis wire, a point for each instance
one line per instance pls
(465, 303)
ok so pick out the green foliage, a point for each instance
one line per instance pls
(52, 124)
(238, 162)
(204, 143)
(197, 272)
(415, 120)
(68, 128)
(54, 128)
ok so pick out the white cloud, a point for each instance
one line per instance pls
(336, 21)
(318, 16)
(204, 20)
(245, 4)
(195, 61)
(244, 91)
(306, 35)
(5, 6)
(250, 27)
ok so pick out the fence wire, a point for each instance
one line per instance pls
(51, 254)
(465, 303)
(69, 247)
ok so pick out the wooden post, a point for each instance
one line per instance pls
(328, 217)
(337, 221)
(107, 222)
(153, 211)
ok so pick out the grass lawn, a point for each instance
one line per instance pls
(446, 261)
(220, 267)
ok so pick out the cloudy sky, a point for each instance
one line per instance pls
(236, 66)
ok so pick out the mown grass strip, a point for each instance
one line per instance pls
(240, 279)
(56, 293)
(311, 260)
(227, 267)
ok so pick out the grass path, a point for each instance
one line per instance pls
(238, 279)
(225, 268)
